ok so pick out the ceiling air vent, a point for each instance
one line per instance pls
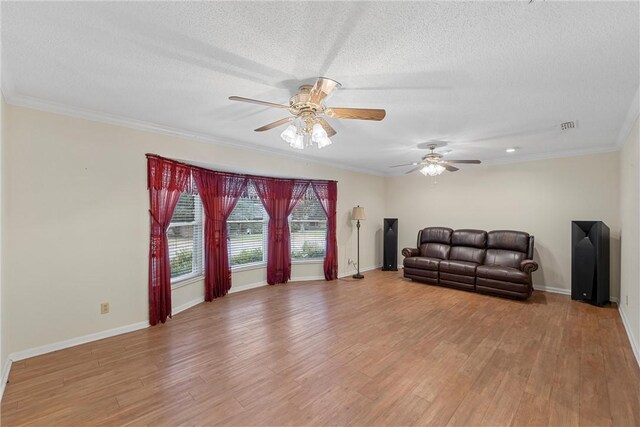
(568, 125)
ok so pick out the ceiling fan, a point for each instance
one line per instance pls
(432, 164)
(308, 114)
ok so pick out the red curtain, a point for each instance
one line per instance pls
(279, 197)
(219, 193)
(166, 180)
(327, 194)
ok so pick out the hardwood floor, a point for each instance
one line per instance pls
(378, 351)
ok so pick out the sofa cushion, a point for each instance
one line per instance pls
(470, 238)
(423, 263)
(505, 274)
(434, 250)
(468, 245)
(504, 258)
(508, 240)
(435, 235)
(464, 268)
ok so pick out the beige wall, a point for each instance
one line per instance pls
(539, 197)
(630, 234)
(3, 312)
(77, 222)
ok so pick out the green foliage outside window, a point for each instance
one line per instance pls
(247, 256)
(309, 250)
(182, 263)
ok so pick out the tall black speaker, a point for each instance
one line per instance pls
(390, 253)
(590, 262)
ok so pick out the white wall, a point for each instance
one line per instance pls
(539, 197)
(77, 224)
(630, 235)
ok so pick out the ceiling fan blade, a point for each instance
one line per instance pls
(323, 89)
(450, 168)
(327, 127)
(406, 164)
(255, 101)
(275, 124)
(356, 113)
(469, 162)
(413, 170)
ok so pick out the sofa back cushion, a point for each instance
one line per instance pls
(434, 242)
(468, 245)
(506, 248)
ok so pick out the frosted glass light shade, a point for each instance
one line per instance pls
(432, 169)
(298, 142)
(289, 134)
(319, 136)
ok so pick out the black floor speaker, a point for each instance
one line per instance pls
(390, 252)
(590, 262)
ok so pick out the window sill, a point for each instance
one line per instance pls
(246, 267)
(259, 265)
(307, 261)
(187, 281)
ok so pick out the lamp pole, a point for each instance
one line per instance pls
(358, 275)
(358, 214)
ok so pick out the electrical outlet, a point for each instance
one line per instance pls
(104, 308)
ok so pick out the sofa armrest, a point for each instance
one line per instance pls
(407, 252)
(528, 266)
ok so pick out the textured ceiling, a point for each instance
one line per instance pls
(480, 76)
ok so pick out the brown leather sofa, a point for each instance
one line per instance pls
(498, 262)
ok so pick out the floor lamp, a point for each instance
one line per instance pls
(358, 215)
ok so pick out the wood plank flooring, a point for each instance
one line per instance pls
(381, 351)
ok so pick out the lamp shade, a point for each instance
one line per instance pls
(358, 214)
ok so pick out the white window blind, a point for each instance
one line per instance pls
(247, 226)
(308, 224)
(185, 235)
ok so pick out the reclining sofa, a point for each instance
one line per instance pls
(498, 262)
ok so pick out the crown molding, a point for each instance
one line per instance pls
(111, 119)
(538, 157)
(552, 155)
(632, 115)
(86, 114)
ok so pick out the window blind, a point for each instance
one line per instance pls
(185, 236)
(247, 227)
(308, 225)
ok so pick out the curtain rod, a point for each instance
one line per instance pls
(148, 155)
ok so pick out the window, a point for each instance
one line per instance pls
(308, 224)
(247, 226)
(185, 235)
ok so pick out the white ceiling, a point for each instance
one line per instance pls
(480, 76)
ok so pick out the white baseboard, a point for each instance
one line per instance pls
(306, 278)
(187, 305)
(564, 291)
(552, 289)
(37, 351)
(362, 270)
(247, 287)
(5, 376)
(632, 340)
(60, 345)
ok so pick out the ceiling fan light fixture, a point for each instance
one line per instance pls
(319, 136)
(289, 134)
(432, 169)
(297, 142)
